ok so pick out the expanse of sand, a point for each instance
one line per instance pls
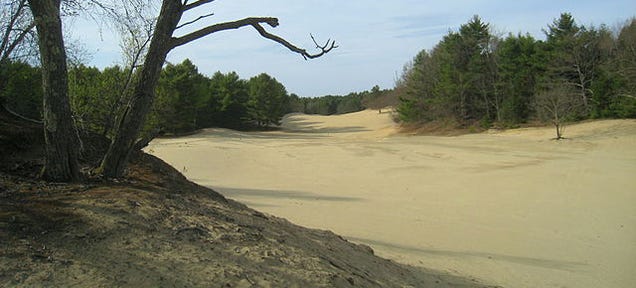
(511, 208)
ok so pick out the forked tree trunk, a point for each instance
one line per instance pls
(61, 138)
(135, 113)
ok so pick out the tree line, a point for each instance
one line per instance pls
(375, 98)
(186, 99)
(474, 77)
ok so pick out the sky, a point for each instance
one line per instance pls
(375, 38)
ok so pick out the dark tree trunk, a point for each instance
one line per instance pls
(139, 105)
(61, 138)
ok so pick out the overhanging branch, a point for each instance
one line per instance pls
(324, 49)
(221, 27)
(256, 23)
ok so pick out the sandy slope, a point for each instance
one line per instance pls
(511, 208)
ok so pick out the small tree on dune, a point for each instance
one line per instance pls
(558, 104)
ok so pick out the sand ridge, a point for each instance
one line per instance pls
(512, 208)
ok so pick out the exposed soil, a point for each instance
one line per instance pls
(156, 229)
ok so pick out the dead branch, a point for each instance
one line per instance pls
(196, 4)
(194, 21)
(330, 45)
(256, 23)
(221, 27)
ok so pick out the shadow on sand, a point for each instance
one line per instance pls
(303, 125)
(325, 130)
(569, 266)
(279, 194)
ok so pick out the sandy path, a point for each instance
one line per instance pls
(511, 208)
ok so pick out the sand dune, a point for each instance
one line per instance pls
(512, 208)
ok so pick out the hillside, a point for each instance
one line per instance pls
(157, 229)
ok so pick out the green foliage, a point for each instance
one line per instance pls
(226, 105)
(375, 98)
(187, 100)
(96, 96)
(475, 78)
(296, 104)
(180, 93)
(519, 63)
(21, 89)
(333, 105)
(268, 101)
(454, 80)
(427, 86)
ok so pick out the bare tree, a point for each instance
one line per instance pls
(558, 104)
(162, 43)
(61, 139)
(16, 24)
(16, 28)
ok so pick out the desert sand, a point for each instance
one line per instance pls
(511, 208)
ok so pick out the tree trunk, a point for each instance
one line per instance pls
(557, 124)
(139, 105)
(61, 138)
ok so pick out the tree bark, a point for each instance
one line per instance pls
(61, 138)
(143, 96)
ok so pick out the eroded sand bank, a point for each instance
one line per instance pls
(511, 208)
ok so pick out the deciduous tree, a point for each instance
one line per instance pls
(558, 104)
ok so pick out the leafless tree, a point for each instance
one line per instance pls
(558, 104)
(17, 26)
(16, 39)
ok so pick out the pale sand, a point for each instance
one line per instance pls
(510, 208)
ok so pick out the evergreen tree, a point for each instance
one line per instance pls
(227, 102)
(179, 93)
(268, 100)
(572, 57)
(519, 63)
(22, 91)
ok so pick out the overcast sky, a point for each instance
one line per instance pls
(376, 38)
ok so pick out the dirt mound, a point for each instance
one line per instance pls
(156, 229)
